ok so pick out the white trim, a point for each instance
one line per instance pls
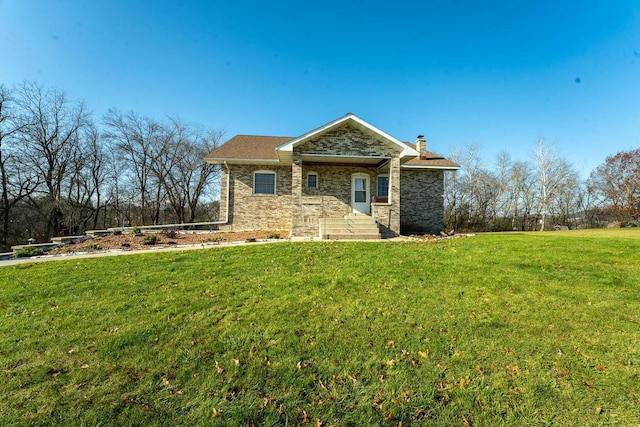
(430, 167)
(367, 189)
(406, 150)
(215, 160)
(275, 181)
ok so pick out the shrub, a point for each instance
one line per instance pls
(171, 234)
(116, 232)
(273, 235)
(135, 231)
(150, 239)
(92, 246)
(28, 252)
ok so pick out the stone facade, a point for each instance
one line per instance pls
(422, 201)
(348, 141)
(387, 214)
(254, 211)
(414, 203)
(332, 198)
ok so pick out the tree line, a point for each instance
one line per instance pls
(540, 192)
(63, 172)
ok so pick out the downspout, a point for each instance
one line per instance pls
(226, 213)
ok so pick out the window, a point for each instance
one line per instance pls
(264, 182)
(359, 190)
(383, 187)
(312, 180)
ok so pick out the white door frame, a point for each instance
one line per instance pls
(361, 182)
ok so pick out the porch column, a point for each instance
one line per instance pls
(394, 195)
(296, 192)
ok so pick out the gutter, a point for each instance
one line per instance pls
(226, 212)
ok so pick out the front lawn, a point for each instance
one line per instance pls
(525, 329)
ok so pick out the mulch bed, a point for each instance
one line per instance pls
(130, 242)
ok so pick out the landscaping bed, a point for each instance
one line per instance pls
(131, 242)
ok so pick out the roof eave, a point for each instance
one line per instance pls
(405, 166)
(217, 161)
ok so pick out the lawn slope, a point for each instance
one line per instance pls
(504, 329)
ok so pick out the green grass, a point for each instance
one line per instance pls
(502, 329)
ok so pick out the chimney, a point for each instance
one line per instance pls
(421, 145)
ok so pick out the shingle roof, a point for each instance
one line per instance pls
(263, 148)
(249, 147)
(430, 159)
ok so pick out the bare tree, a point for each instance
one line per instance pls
(523, 194)
(475, 191)
(135, 144)
(51, 141)
(187, 175)
(87, 182)
(510, 195)
(616, 185)
(552, 172)
(15, 185)
(500, 205)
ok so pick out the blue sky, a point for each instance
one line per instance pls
(498, 73)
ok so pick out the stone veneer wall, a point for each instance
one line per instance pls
(297, 207)
(256, 211)
(421, 201)
(387, 215)
(332, 198)
(347, 141)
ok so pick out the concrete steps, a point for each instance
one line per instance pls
(351, 227)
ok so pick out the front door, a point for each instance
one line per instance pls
(360, 198)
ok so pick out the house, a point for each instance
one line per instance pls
(338, 179)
